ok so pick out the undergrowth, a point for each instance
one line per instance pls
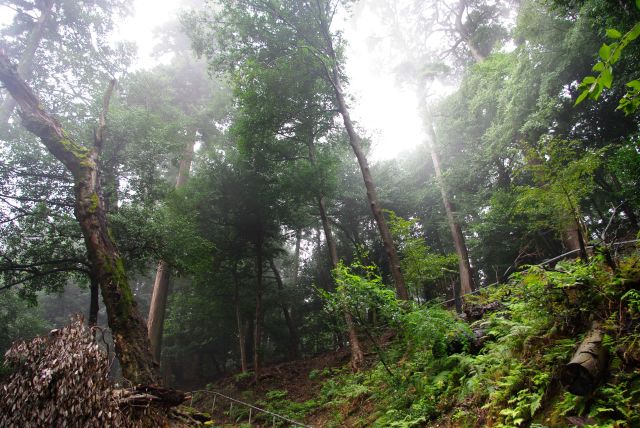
(503, 370)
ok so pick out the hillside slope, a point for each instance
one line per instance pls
(503, 369)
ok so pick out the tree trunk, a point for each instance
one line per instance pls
(357, 356)
(466, 278)
(294, 341)
(241, 329)
(573, 233)
(94, 304)
(25, 67)
(333, 75)
(107, 267)
(158, 307)
(296, 259)
(583, 373)
(257, 326)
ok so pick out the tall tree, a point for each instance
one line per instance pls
(131, 341)
(282, 29)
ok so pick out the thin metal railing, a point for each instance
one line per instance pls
(274, 416)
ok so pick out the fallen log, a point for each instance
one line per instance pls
(151, 395)
(587, 367)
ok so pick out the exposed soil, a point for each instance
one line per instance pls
(292, 376)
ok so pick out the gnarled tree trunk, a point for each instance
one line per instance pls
(107, 267)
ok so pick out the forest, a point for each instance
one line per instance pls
(210, 235)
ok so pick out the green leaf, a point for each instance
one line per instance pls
(634, 84)
(615, 56)
(633, 33)
(606, 78)
(582, 96)
(589, 80)
(613, 33)
(638, 4)
(599, 66)
(605, 51)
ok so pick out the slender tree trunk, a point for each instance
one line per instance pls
(107, 267)
(466, 277)
(25, 67)
(241, 329)
(294, 341)
(158, 307)
(257, 327)
(573, 233)
(357, 356)
(296, 259)
(155, 320)
(333, 75)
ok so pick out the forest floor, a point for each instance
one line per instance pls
(503, 365)
(298, 381)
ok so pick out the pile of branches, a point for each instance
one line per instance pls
(62, 379)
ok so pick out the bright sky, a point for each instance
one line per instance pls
(387, 113)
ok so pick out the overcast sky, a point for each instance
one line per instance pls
(389, 114)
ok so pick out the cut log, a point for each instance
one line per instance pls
(583, 373)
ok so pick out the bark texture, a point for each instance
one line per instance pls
(158, 306)
(466, 278)
(107, 267)
(588, 365)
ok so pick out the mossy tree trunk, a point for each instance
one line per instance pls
(107, 267)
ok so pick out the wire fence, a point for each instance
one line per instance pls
(253, 410)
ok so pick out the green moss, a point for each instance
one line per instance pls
(119, 279)
(95, 202)
(120, 276)
(77, 150)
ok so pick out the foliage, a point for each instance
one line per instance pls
(609, 54)
(422, 267)
(19, 320)
(514, 379)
